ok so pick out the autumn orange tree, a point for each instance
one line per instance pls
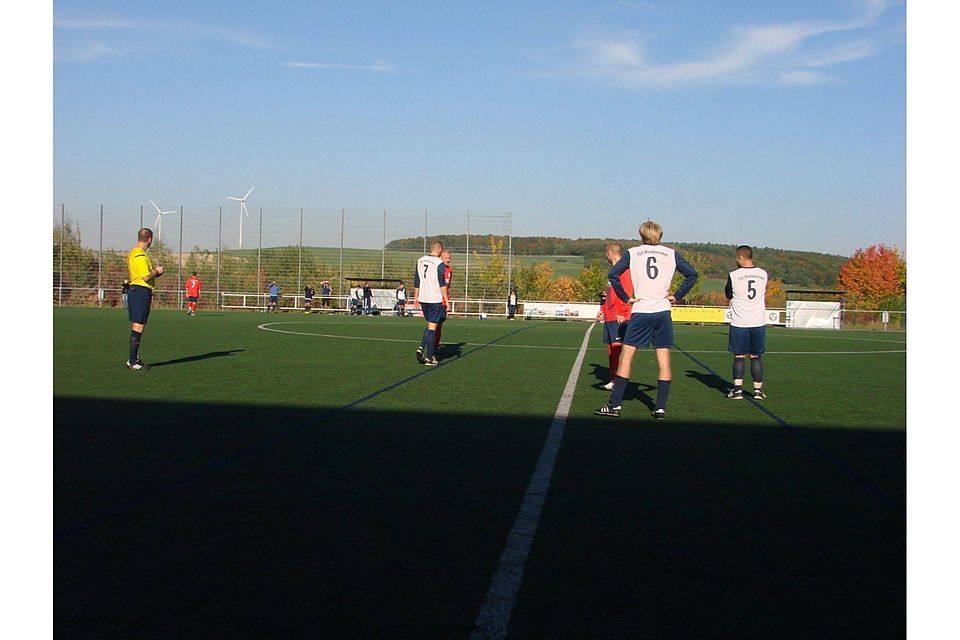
(874, 277)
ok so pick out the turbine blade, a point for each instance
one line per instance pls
(248, 193)
(157, 223)
(155, 205)
(232, 198)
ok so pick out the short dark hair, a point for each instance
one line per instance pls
(744, 251)
(144, 234)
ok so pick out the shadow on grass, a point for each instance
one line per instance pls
(451, 350)
(197, 358)
(711, 381)
(278, 521)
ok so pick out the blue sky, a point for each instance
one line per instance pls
(767, 123)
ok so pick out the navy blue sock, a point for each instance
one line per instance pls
(739, 366)
(134, 345)
(429, 336)
(619, 388)
(756, 369)
(663, 390)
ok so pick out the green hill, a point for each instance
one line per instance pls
(795, 268)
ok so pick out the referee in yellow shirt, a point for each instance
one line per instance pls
(142, 275)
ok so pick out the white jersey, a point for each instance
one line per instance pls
(748, 288)
(651, 269)
(428, 279)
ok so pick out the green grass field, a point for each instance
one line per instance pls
(288, 476)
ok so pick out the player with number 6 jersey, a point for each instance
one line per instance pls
(651, 266)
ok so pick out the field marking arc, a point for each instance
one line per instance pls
(72, 529)
(494, 616)
(267, 326)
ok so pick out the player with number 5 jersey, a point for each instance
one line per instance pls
(651, 266)
(746, 289)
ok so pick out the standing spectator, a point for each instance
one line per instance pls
(193, 287)
(325, 292)
(651, 266)
(142, 276)
(308, 293)
(124, 290)
(746, 289)
(429, 295)
(615, 313)
(367, 298)
(445, 256)
(511, 304)
(274, 289)
(401, 300)
(356, 300)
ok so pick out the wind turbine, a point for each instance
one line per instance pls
(159, 223)
(243, 212)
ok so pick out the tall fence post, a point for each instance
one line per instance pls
(259, 247)
(180, 266)
(466, 280)
(100, 263)
(300, 255)
(141, 216)
(60, 279)
(424, 232)
(383, 248)
(509, 252)
(340, 279)
(219, 251)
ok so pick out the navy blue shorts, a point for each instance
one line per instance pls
(613, 332)
(273, 298)
(433, 311)
(192, 299)
(747, 340)
(646, 329)
(138, 303)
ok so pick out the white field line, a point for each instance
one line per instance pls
(269, 326)
(495, 615)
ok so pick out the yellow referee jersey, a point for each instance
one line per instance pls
(139, 265)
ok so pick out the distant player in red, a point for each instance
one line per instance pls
(615, 313)
(193, 294)
(445, 256)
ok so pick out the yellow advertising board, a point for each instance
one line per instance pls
(698, 314)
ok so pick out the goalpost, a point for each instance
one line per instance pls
(815, 309)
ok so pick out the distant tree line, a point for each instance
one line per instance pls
(874, 278)
(796, 268)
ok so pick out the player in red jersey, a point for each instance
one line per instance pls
(193, 294)
(445, 256)
(615, 314)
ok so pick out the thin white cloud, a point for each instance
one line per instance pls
(773, 53)
(379, 66)
(93, 37)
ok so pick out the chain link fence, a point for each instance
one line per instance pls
(237, 253)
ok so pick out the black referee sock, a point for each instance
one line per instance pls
(134, 345)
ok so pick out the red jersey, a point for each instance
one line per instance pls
(449, 279)
(613, 306)
(193, 287)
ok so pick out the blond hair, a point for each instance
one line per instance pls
(651, 232)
